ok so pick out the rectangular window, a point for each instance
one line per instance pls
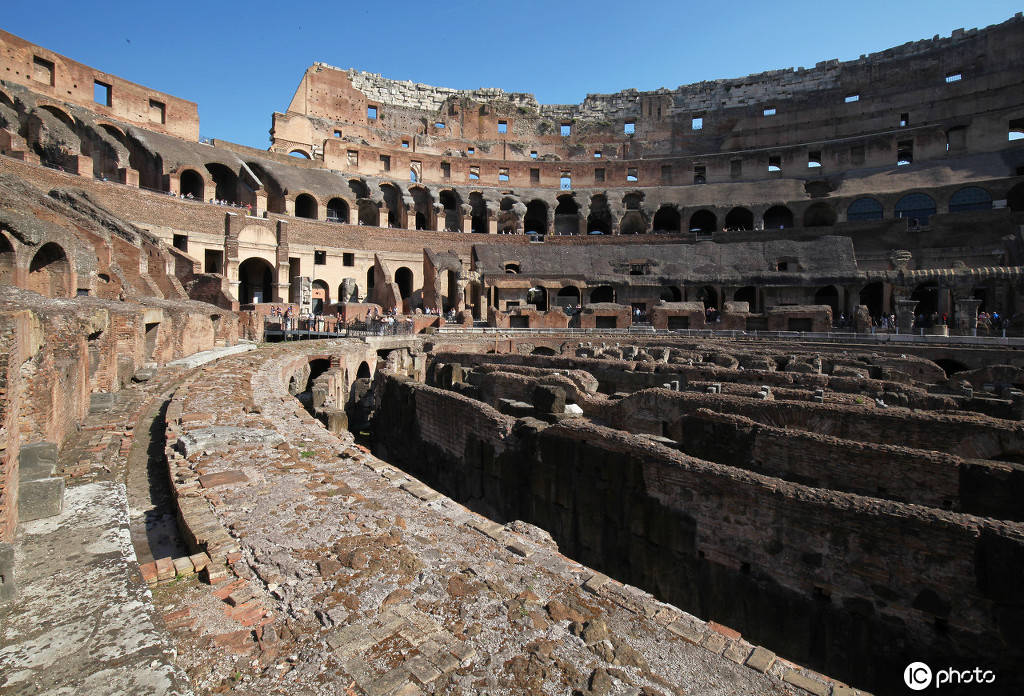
(446, 170)
(415, 171)
(385, 163)
(474, 173)
(534, 176)
(599, 174)
(775, 163)
(337, 134)
(101, 93)
(814, 158)
(471, 151)
(533, 154)
(181, 242)
(213, 261)
(565, 181)
(597, 154)
(629, 128)
(904, 120)
(371, 112)
(631, 174)
(666, 172)
(566, 129)
(348, 259)
(1016, 129)
(42, 70)
(697, 124)
(852, 98)
(319, 257)
(954, 77)
(700, 174)
(904, 152)
(735, 168)
(503, 126)
(157, 111)
(770, 111)
(405, 144)
(503, 174)
(353, 158)
(439, 124)
(956, 138)
(857, 155)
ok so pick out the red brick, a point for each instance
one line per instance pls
(222, 478)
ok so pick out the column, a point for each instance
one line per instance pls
(905, 314)
(967, 315)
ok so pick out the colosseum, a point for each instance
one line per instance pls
(708, 390)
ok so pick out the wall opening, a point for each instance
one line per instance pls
(255, 281)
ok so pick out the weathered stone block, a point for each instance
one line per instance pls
(40, 498)
(37, 461)
(8, 588)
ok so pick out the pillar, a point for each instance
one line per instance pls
(492, 226)
(905, 314)
(967, 315)
(382, 217)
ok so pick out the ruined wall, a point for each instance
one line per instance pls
(856, 587)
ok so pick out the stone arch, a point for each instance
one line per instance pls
(8, 261)
(423, 204)
(819, 215)
(739, 218)
(633, 222)
(321, 295)
(393, 202)
(708, 296)
(337, 210)
(671, 293)
(536, 219)
(255, 281)
(191, 182)
(872, 296)
(865, 208)
(927, 296)
(49, 272)
(667, 219)
(299, 153)
(703, 220)
(600, 219)
(225, 182)
(272, 187)
(569, 296)
(451, 204)
(363, 371)
(508, 218)
(917, 207)
(567, 215)
(61, 115)
(478, 213)
(404, 280)
(369, 213)
(828, 295)
(778, 217)
(970, 198)
(306, 206)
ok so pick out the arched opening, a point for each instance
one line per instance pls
(8, 261)
(299, 154)
(864, 209)
(747, 294)
(633, 222)
(927, 296)
(778, 217)
(538, 297)
(49, 273)
(271, 186)
(708, 296)
(369, 278)
(671, 293)
(536, 219)
(569, 296)
(349, 293)
(512, 268)
(819, 215)
(305, 206)
(321, 296)
(450, 202)
(451, 298)
(363, 372)
(508, 220)
(828, 295)
(567, 216)
(970, 198)
(950, 366)
(667, 220)
(423, 204)
(225, 182)
(191, 184)
(739, 218)
(337, 210)
(393, 202)
(602, 293)
(703, 221)
(1015, 198)
(403, 277)
(981, 294)
(600, 219)
(478, 212)
(872, 296)
(369, 213)
(916, 207)
(543, 350)
(255, 281)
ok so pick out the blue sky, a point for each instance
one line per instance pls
(242, 63)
